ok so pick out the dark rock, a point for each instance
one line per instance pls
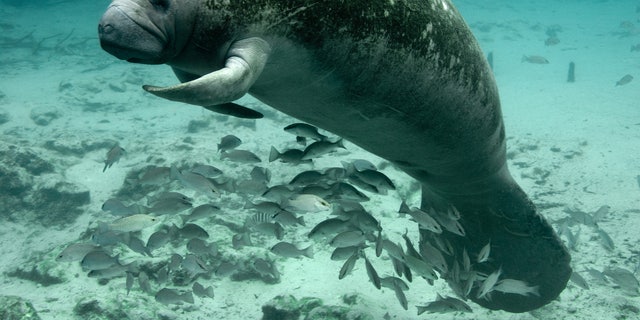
(57, 202)
(13, 156)
(91, 309)
(337, 313)
(38, 274)
(16, 308)
(196, 125)
(78, 149)
(4, 116)
(281, 308)
(43, 116)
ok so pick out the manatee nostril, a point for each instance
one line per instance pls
(105, 29)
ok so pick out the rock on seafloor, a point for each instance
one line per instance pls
(16, 308)
(287, 307)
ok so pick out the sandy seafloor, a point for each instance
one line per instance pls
(575, 146)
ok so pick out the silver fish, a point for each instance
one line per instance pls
(344, 253)
(157, 240)
(133, 223)
(113, 156)
(191, 231)
(288, 250)
(76, 251)
(143, 281)
(391, 282)
(516, 287)
(98, 260)
(116, 207)
(163, 275)
(202, 292)
(605, 240)
(375, 178)
(578, 280)
(347, 239)
(348, 265)
(137, 245)
(129, 282)
(169, 206)
(328, 228)
(229, 142)
(345, 191)
(206, 170)
(624, 279)
(242, 156)
(195, 182)
(171, 296)
(200, 212)
(114, 271)
(444, 305)
(277, 192)
(434, 257)
(425, 220)
(483, 255)
(364, 221)
(489, 284)
(624, 80)
(535, 59)
(402, 298)
(225, 269)
(273, 229)
(371, 272)
(240, 240)
(201, 247)
(320, 148)
(306, 203)
(287, 218)
(174, 262)
(193, 264)
(420, 267)
(293, 156)
(305, 130)
(307, 177)
(155, 176)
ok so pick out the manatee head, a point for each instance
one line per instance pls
(145, 31)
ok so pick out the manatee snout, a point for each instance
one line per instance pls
(131, 37)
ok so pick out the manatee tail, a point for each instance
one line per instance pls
(522, 244)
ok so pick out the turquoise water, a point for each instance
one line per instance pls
(65, 103)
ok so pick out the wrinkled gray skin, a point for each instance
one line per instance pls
(404, 80)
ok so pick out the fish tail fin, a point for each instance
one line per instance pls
(300, 221)
(308, 252)
(187, 297)
(524, 58)
(274, 154)
(340, 143)
(175, 173)
(106, 164)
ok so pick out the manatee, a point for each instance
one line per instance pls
(405, 80)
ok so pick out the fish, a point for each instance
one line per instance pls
(157, 240)
(200, 212)
(261, 174)
(516, 287)
(241, 240)
(277, 192)
(345, 191)
(344, 253)
(169, 206)
(372, 273)
(163, 275)
(348, 265)
(328, 228)
(306, 203)
(268, 207)
(601, 213)
(535, 59)
(113, 156)
(153, 175)
(191, 231)
(193, 264)
(201, 247)
(434, 257)
(347, 239)
(402, 298)
(624, 279)
(287, 218)
(624, 80)
(76, 251)
(597, 276)
(288, 250)
(168, 296)
(228, 142)
(489, 284)
(375, 178)
(202, 292)
(143, 281)
(444, 305)
(195, 182)
(320, 148)
(114, 271)
(483, 255)
(137, 245)
(425, 221)
(393, 250)
(98, 260)
(307, 177)
(133, 223)
(293, 156)
(379, 243)
(390, 282)
(358, 165)
(420, 267)
(241, 156)
(225, 269)
(578, 280)
(551, 41)
(174, 262)
(207, 171)
(116, 207)
(152, 200)
(605, 240)
(273, 229)
(364, 221)
(129, 282)
(305, 130)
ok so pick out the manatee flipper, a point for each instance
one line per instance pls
(244, 62)
(522, 242)
(235, 110)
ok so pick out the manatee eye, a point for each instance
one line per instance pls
(160, 4)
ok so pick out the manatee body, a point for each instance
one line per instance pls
(404, 80)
